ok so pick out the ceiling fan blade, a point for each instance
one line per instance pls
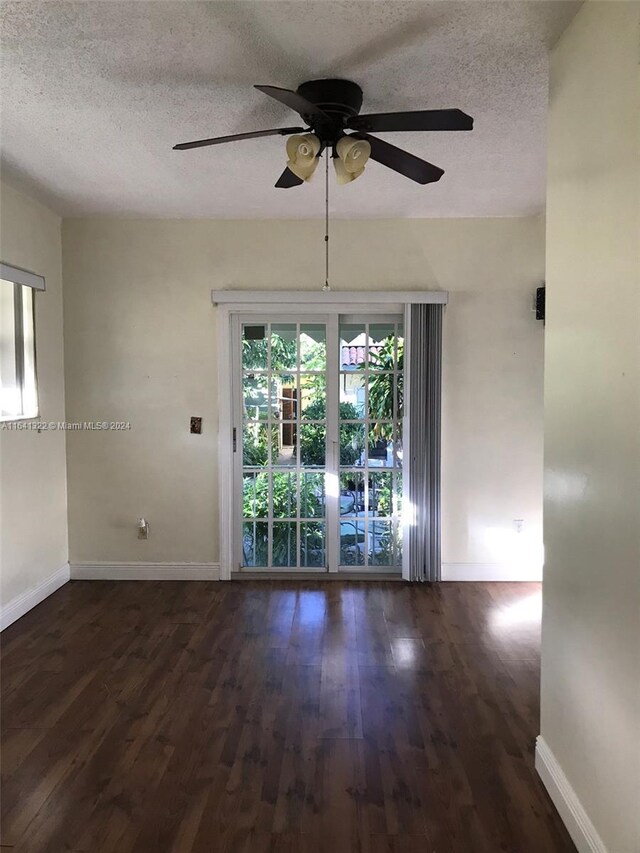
(419, 120)
(254, 134)
(401, 161)
(294, 101)
(287, 180)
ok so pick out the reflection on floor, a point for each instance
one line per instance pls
(275, 717)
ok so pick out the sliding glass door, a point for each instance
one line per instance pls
(318, 443)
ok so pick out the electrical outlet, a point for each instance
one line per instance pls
(143, 528)
(518, 524)
(195, 426)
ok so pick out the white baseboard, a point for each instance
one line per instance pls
(565, 799)
(145, 571)
(489, 572)
(23, 603)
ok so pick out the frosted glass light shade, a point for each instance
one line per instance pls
(302, 154)
(352, 158)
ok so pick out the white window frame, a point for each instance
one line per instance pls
(25, 361)
(231, 303)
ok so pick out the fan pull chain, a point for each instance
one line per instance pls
(326, 221)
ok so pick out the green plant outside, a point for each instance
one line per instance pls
(380, 386)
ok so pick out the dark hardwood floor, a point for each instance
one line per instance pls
(264, 717)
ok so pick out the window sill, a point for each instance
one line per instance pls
(13, 419)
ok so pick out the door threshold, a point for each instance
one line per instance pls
(316, 576)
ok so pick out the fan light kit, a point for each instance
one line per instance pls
(349, 160)
(330, 108)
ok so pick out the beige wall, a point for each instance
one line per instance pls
(591, 621)
(140, 346)
(33, 492)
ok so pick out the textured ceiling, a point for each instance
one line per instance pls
(95, 94)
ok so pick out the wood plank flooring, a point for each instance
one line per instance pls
(275, 717)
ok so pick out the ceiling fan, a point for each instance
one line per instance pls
(330, 108)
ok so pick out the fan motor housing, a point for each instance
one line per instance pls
(340, 99)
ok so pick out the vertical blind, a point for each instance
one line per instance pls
(425, 391)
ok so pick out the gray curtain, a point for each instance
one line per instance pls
(424, 404)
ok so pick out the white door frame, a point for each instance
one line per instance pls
(288, 303)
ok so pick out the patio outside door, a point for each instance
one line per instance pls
(318, 448)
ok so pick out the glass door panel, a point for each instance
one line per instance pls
(370, 456)
(284, 445)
